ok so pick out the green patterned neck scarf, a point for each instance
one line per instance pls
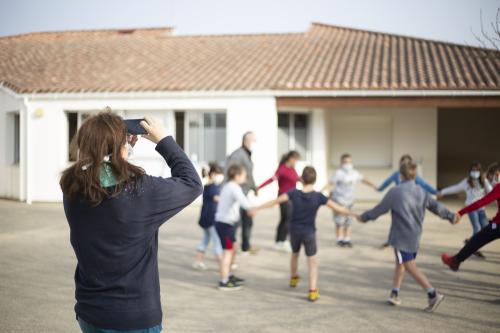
(106, 176)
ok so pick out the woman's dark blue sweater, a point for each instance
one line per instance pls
(116, 245)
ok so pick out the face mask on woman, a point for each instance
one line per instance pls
(130, 150)
(474, 174)
(218, 179)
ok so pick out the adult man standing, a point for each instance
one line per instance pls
(243, 156)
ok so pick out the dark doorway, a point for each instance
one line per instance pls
(466, 135)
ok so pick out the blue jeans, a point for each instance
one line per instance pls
(478, 220)
(88, 328)
(210, 234)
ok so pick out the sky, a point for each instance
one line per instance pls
(446, 20)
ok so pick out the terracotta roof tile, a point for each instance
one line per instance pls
(323, 58)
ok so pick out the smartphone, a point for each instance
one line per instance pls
(134, 126)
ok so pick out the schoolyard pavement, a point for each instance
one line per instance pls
(37, 291)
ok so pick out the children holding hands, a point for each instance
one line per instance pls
(408, 203)
(305, 203)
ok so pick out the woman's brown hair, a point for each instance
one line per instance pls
(100, 135)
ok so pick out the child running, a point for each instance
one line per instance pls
(475, 187)
(287, 179)
(408, 202)
(227, 216)
(305, 203)
(211, 192)
(395, 178)
(487, 234)
(343, 182)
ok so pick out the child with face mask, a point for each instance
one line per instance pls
(475, 187)
(488, 234)
(211, 193)
(342, 192)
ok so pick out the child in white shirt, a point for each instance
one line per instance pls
(342, 183)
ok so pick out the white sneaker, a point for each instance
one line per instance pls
(287, 246)
(198, 265)
(279, 246)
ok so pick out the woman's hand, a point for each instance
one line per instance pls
(155, 129)
(132, 140)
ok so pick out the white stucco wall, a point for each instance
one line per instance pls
(414, 131)
(10, 176)
(48, 133)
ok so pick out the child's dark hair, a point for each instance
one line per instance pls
(213, 168)
(408, 170)
(405, 159)
(291, 154)
(234, 170)
(344, 156)
(308, 175)
(492, 169)
(475, 165)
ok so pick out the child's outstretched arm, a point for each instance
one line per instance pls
(338, 208)
(279, 200)
(369, 183)
(441, 211)
(391, 179)
(383, 207)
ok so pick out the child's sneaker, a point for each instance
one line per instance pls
(313, 295)
(348, 243)
(434, 302)
(287, 246)
(294, 281)
(394, 299)
(229, 286)
(450, 261)
(236, 280)
(199, 265)
(340, 243)
(280, 247)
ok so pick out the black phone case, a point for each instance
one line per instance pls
(134, 126)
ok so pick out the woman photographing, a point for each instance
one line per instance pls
(114, 211)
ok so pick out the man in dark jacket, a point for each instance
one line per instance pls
(243, 156)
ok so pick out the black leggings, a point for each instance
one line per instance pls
(486, 235)
(286, 214)
(246, 230)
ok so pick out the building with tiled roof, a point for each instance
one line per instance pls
(322, 92)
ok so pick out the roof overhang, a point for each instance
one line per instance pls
(281, 95)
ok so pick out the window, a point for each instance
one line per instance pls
(206, 136)
(75, 120)
(179, 128)
(13, 138)
(293, 133)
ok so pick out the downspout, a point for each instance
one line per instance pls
(26, 146)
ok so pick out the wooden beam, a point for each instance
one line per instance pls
(391, 102)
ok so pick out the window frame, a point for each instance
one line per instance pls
(291, 132)
(200, 115)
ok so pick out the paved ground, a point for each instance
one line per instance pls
(37, 264)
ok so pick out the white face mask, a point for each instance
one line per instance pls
(218, 179)
(347, 166)
(475, 174)
(130, 150)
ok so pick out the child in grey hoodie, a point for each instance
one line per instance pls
(408, 202)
